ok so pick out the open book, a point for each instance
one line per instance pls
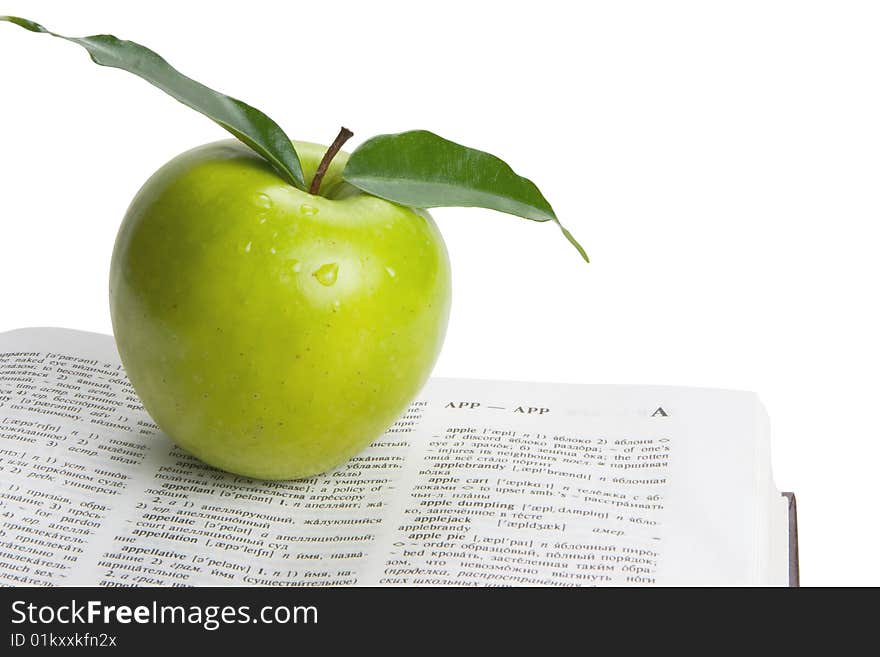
(479, 483)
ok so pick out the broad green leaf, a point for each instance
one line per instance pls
(247, 123)
(422, 170)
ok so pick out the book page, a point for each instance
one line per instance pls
(479, 483)
(524, 483)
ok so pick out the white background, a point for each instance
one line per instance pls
(719, 161)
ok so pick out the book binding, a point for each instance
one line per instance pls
(794, 576)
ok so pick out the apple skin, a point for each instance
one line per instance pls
(270, 332)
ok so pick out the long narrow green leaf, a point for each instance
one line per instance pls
(420, 169)
(247, 123)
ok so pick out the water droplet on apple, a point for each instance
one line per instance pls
(295, 266)
(262, 220)
(336, 305)
(326, 274)
(390, 271)
(308, 210)
(247, 247)
(272, 250)
(263, 201)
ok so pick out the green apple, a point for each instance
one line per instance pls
(277, 305)
(272, 332)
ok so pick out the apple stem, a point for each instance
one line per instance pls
(341, 138)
